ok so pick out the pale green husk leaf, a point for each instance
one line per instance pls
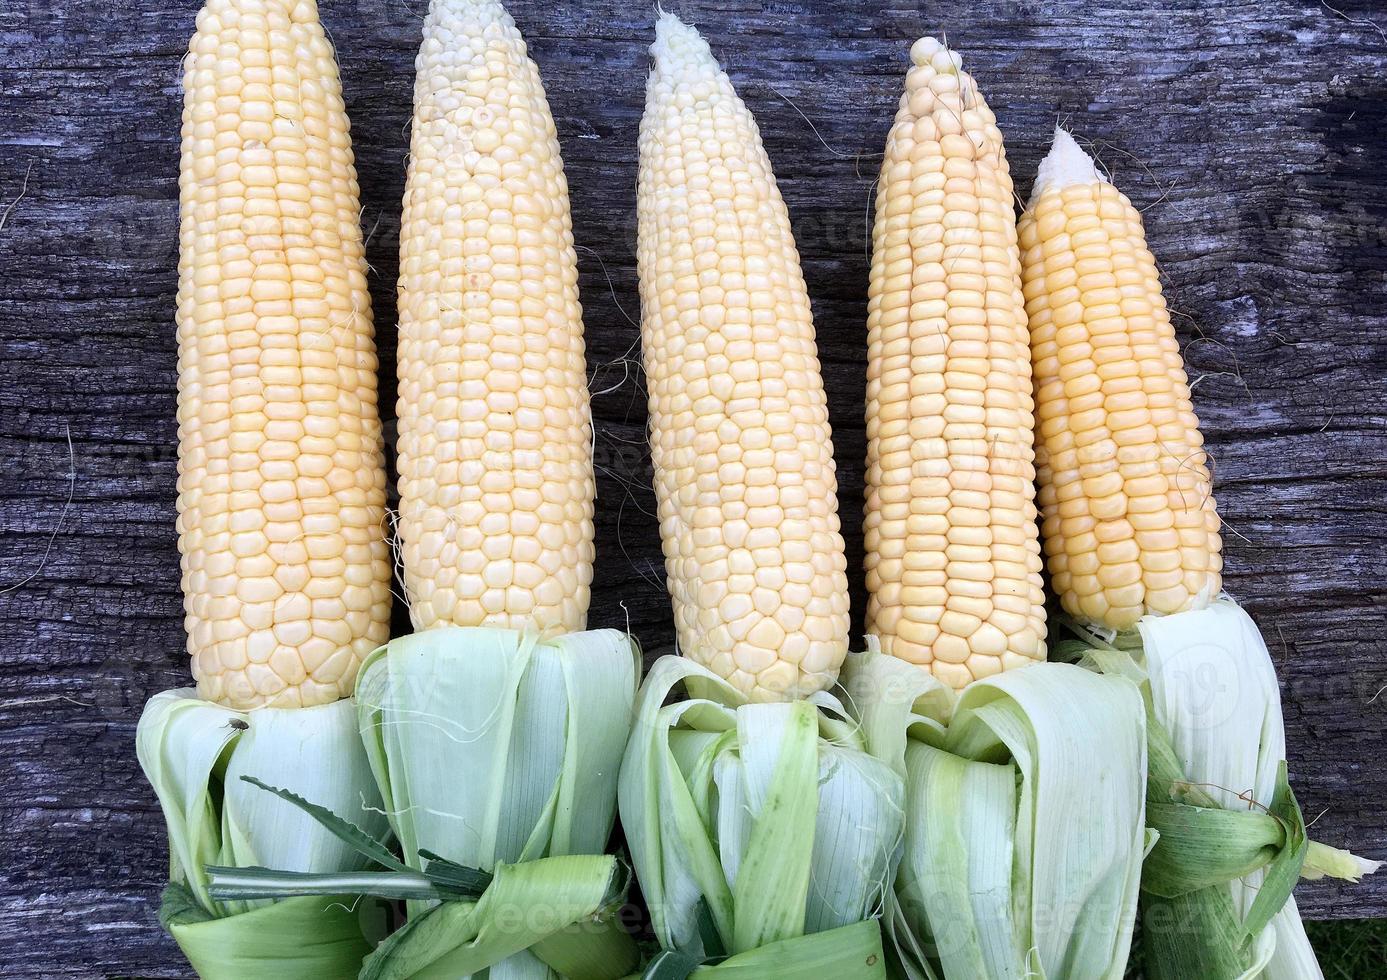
(559, 908)
(194, 752)
(1214, 694)
(1025, 831)
(770, 816)
(318, 938)
(555, 910)
(852, 951)
(1323, 861)
(1217, 889)
(492, 747)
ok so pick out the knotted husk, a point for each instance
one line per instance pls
(1216, 889)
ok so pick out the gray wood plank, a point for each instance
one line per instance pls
(1251, 133)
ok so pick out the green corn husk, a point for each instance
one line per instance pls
(193, 753)
(561, 909)
(1216, 897)
(1025, 831)
(306, 938)
(554, 912)
(493, 748)
(558, 910)
(848, 952)
(770, 821)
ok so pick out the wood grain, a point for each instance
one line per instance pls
(1251, 133)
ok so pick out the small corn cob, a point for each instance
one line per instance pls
(495, 441)
(286, 570)
(1129, 521)
(740, 439)
(953, 553)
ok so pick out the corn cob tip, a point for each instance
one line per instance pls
(679, 43)
(1065, 166)
(458, 7)
(935, 53)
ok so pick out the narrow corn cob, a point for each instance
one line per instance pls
(495, 442)
(1129, 524)
(740, 439)
(281, 487)
(953, 552)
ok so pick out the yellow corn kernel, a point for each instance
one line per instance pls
(740, 439)
(1129, 521)
(495, 441)
(281, 471)
(951, 536)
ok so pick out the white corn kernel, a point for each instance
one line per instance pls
(273, 469)
(740, 439)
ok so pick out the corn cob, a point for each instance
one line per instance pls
(953, 555)
(1129, 521)
(740, 438)
(495, 440)
(496, 729)
(281, 487)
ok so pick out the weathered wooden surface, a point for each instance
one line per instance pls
(1258, 127)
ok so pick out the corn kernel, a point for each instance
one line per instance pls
(744, 474)
(1153, 545)
(273, 469)
(955, 315)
